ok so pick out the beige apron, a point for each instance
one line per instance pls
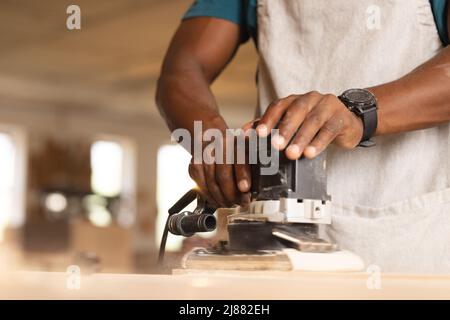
(391, 203)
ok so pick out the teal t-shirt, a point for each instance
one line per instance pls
(243, 13)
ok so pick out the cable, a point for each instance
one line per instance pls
(186, 223)
(183, 202)
(162, 247)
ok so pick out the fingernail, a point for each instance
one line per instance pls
(293, 151)
(243, 185)
(310, 151)
(278, 141)
(262, 130)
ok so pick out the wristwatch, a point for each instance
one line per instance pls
(364, 104)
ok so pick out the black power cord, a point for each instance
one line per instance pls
(162, 246)
(177, 224)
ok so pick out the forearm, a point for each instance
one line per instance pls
(419, 100)
(199, 51)
(184, 96)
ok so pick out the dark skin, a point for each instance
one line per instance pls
(308, 122)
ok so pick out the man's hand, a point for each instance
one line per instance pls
(308, 123)
(222, 184)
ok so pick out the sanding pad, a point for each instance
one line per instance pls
(281, 260)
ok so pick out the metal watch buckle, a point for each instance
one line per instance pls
(367, 144)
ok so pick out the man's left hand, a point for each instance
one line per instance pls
(308, 123)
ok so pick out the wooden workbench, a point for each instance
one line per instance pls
(219, 285)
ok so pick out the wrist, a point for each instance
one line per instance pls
(383, 96)
(359, 126)
(215, 121)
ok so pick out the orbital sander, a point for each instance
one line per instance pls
(280, 228)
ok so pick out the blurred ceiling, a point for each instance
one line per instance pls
(111, 64)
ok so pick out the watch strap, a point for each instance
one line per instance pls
(370, 121)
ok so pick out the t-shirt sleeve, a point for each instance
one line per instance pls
(231, 10)
(440, 16)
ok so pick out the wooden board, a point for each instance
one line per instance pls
(220, 285)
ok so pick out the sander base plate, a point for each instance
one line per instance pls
(276, 260)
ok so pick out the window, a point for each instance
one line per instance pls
(12, 179)
(173, 181)
(7, 168)
(112, 181)
(107, 168)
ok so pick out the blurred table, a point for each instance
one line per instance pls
(218, 285)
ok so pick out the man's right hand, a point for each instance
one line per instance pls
(222, 184)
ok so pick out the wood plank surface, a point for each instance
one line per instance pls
(220, 285)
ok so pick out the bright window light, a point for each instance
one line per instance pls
(173, 181)
(56, 202)
(7, 184)
(98, 215)
(107, 168)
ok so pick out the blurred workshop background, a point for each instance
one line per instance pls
(87, 168)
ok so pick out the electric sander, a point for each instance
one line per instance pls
(278, 231)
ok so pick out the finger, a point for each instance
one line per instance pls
(293, 118)
(243, 177)
(196, 172)
(227, 184)
(242, 174)
(212, 186)
(245, 199)
(249, 125)
(325, 136)
(273, 115)
(314, 121)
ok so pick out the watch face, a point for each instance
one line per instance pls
(359, 96)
